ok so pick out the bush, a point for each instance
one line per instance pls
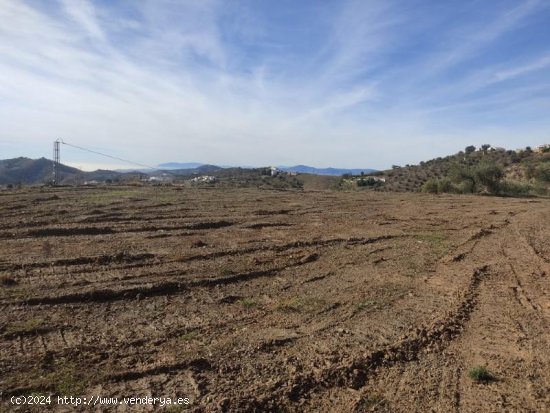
(444, 185)
(472, 179)
(466, 187)
(369, 181)
(514, 157)
(542, 172)
(489, 174)
(540, 188)
(248, 302)
(437, 186)
(481, 374)
(508, 188)
(464, 177)
(430, 186)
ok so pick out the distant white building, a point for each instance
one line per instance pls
(542, 148)
(163, 178)
(204, 179)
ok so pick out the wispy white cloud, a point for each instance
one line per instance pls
(82, 12)
(229, 83)
(468, 40)
(521, 70)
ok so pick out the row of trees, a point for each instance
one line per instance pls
(486, 177)
(471, 149)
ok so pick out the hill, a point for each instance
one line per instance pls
(199, 170)
(30, 171)
(493, 170)
(259, 178)
(304, 169)
(187, 168)
(39, 171)
(180, 165)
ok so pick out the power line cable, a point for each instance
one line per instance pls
(109, 156)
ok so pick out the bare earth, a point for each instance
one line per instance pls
(249, 300)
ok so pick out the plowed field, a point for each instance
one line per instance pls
(249, 300)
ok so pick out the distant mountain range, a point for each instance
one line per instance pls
(39, 171)
(175, 168)
(179, 165)
(303, 169)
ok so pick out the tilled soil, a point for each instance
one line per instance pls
(249, 300)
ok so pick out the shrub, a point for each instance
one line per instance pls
(226, 271)
(430, 186)
(437, 186)
(189, 336)
(369, 181)
(539, 188)
(508, 188)
(481, 374)
(466, 187)
(444, 185)
(248, 302)
(489, 174)
(464, 177)
(471, 179)
(542, 172)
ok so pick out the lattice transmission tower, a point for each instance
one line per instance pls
(55, 170)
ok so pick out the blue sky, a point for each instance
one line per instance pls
(326, 83)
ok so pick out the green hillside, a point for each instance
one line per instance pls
(474, 170)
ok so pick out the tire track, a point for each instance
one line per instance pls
(76, 231)
(164, 288)
(121, 257)
(289, 246)
(356, 372)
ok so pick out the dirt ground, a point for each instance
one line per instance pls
(248, 300)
